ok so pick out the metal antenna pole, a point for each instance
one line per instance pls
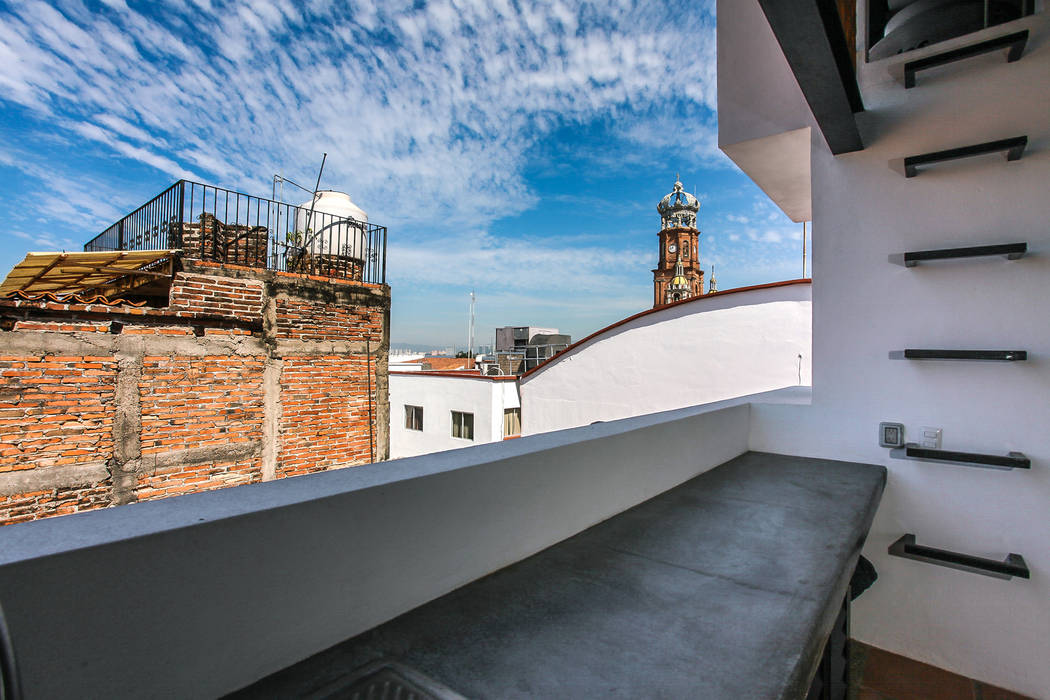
(313, 201)
(803, 249)
(470, 334)
(278, 177)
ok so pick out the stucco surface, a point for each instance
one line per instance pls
(707, 349)
(864, 308)
(724, 587)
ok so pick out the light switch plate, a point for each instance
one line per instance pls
(930, 437)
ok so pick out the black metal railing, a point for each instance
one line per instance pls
(150, 227)
(220, 225)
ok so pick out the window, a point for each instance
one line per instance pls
(463, 425)
(413, 417)
(511, 422)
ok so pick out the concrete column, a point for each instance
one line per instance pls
(127, 428)
(271, 416)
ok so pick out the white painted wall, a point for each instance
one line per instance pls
(705, 350)
(439, 395)
(863, 307)
(198, 595)
(759, 95)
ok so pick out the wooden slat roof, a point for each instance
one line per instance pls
(70, 273)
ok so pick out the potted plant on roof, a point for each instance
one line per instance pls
(295, 250)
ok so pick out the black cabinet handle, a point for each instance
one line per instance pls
(1011, 251)
(984, 355)
(1015, 42)
(1013, 565)
(1014, 148)
(1013, 460)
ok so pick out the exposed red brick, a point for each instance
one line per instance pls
(324, 413)
(306, 319)
(61, 409)
(189, 402)
(217, 296)
(34, 505)
(174, 481)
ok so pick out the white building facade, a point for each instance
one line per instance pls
(436, 411)
(708, 348)
(866, 208)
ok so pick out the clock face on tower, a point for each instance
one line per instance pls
(672, 248)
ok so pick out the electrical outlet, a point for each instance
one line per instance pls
(930, 437)
(891, 434)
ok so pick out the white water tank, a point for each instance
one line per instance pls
(336, 227)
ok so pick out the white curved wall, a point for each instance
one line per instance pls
(710, 349)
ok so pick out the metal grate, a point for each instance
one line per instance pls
(388, 681)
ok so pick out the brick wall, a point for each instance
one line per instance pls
(218, 296)
(306, 319)
(246, 376)
(54, 410)
(56, 414)
(191, 402)
(32, 505)
(177, 480)
(325, 413)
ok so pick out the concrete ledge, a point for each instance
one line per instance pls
(210, 577)
(285, 347)
(236, 451)
(51, 343)
(47, 478)
(723, 587)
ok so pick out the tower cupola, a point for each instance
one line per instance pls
(678, 209)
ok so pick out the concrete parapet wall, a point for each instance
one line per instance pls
(205, 593)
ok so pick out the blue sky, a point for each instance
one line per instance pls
(517, 149)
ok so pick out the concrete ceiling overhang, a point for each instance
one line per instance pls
(812, 39)
(779, 164)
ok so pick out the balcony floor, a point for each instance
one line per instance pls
(723, 587)
(880, 675)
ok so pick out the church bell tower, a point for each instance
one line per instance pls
(678, 274)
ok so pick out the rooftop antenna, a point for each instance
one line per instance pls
(280, 178)
(470, 331)
(803, 250)
(313, 200)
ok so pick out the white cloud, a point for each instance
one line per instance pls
(766, 236)
(436, 104)
(428, 114)
(569, 267)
